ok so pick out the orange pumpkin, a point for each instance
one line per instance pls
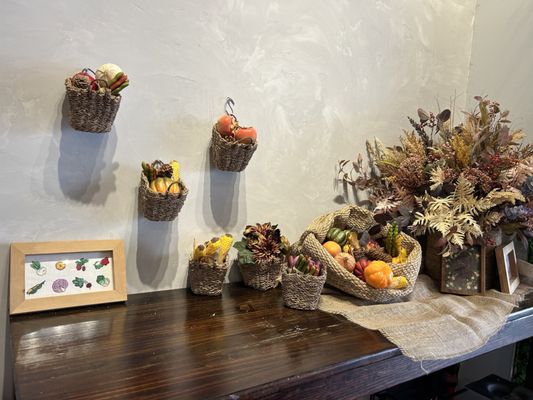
(333, 248)
(378, 274)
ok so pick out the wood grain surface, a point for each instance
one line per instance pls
(245, 344)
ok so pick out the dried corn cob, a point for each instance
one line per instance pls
(225, 244)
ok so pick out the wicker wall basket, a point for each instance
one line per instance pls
(230, 156)
(206, 279)
(160, 206)
(262, 276)
(91, 111)
(302, 291)
(358, 219)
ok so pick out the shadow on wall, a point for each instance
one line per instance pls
(153, 242)
(222, 190)
(84, 172)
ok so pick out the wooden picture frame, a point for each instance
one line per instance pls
(50, 265)
(507, 268)
(465, 272)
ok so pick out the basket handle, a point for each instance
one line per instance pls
(169, 186)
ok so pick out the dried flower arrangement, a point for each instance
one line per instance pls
(459, 181)
(262, 244)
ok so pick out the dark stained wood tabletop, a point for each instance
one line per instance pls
(244, 344)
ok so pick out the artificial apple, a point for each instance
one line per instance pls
(246, 134)
(226, 125)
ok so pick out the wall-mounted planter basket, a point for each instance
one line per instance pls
(230, 156)
(160, 206)
(206, 279)
(91, 111)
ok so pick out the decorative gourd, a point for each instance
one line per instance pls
(378, 274)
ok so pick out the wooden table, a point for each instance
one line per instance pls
(243, 345)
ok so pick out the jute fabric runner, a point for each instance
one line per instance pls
(427, 324)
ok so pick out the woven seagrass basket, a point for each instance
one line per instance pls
(302, 291)
(90, 110)
(207, 279)
(230, 156)
(160, 206)
(262, 276)
(358, 219)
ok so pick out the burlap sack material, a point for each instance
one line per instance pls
(262, 276)
(160, 206)
(302, 291)
(206, 279)
(230, 156)
(428, 325)
(358, 219)
(91, 111)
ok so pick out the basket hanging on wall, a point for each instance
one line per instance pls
(91, 110)
(232, 146)
(230, 156)
(160, 206)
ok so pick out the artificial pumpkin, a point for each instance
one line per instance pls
(378, 274)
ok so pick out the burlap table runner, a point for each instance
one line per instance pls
(429, 325)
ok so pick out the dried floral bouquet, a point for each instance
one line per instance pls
(459, 181)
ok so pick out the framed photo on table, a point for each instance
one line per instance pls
(507, 268)
(52, 275)
(464, 272)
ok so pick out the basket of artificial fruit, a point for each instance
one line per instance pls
(261, 257)
(208, 265)
(302, 282)
(363, 259)
(161, 192)
(232, 145)
(94, 97)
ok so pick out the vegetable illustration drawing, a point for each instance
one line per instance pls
(102, 280)
(39, 269)
(60, 285)
(35, 289)
(80, 264)
(102, 263)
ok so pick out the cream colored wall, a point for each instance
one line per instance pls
(317, 78)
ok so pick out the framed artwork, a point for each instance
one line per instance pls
(51, 275)
(507, 267)
(464, 272)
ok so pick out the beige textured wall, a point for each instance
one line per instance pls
(315, 77)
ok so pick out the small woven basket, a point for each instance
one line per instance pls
(230, 156)
(90, 110)
(160, 206)
(302, 291)
(262, 276)
(206, 279)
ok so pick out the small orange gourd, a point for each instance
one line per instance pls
(378, 274)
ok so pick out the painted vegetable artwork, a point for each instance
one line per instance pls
(81, 273)
(60, 285)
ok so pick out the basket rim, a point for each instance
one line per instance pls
(70, 87)
(183, 192)
(247, 146)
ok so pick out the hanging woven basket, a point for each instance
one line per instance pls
(230, 156)
(90, 110)
(160, 206)
(207, 279)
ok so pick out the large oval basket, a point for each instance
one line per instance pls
(358, 219)
(90, 110)
(230, 156)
